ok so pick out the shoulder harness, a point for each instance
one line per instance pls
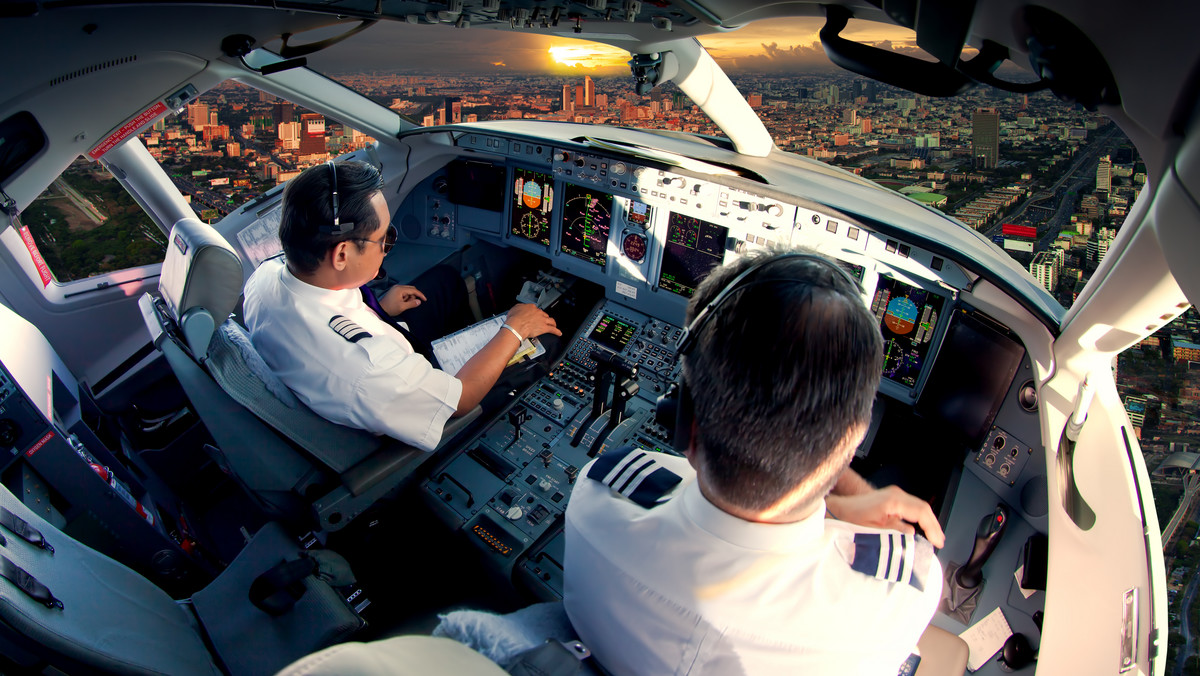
(892, 556)
(347, 329)
(634, 474)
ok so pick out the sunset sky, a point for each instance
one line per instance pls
(778, 46)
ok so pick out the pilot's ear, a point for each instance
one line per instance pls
(338, 255)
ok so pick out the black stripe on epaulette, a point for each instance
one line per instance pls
(894, 557)
(347, 329)
(634, 474)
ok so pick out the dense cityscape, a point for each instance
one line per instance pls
(1050, 184)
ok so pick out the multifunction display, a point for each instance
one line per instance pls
(612, 333)
(694, 248)
(533, 198)
(587, 219)
(907, 318)
(638, 213)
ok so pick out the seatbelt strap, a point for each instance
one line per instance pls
(372, 302)
(28, 584)
(21, 528)
(473, 298)
(276, 591)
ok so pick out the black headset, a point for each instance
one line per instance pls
(674, 408)
(337, 228)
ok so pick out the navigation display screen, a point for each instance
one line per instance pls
(694, 248)
(533, 197)
(587, 219)
(612, 333)
(907, 318)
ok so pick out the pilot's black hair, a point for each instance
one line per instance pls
(780, 378)
(308, 206)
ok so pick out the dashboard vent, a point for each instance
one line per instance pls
(92, 69)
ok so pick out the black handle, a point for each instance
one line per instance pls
(987, 536)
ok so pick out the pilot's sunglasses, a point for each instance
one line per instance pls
(389, 239)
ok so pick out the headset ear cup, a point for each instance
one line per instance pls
(674, 412)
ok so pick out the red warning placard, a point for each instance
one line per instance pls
(128, 129)
(38, 261)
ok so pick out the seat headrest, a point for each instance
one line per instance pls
(201, 273)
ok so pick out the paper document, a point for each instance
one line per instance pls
(457, 348)
(985, 638)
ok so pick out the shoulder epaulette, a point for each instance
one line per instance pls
(894, 557)
(634, 474)
(347, 329)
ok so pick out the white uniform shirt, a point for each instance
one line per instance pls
(685, 588)
(316, 340)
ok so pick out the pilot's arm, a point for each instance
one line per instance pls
(482, 371)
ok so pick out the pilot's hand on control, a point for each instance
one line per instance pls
(529, 320)
(400, 298)
(888, 507)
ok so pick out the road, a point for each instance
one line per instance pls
(1191, 486)
(85, 205)
(1089, 158)
(1189, 645)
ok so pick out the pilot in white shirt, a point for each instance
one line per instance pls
(308, 318)
(724, 562)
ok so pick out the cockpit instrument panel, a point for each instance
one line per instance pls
(637, 214)
(533, 199)
(612, 332)
(587, 220)
(694, 247)
(908, 317)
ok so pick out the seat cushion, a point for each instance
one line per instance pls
(248, 640)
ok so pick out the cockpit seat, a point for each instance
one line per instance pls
(297, 464)
(397, 656)
(85, 613)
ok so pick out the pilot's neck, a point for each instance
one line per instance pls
(792, 515)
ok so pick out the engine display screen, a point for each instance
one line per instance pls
(907, 318)
(587, 219)
(694, 248)
(533, 198)
(612, 333)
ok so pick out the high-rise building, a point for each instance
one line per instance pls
(985, 138)
(755, 100)
(289, 134)
(602, 100)
(233, 149)
(567, 105)
(312, 134)
(849, 116)
(866, 125)
(282, 111)
(835, 93)
(197, 115)
(1104, 178)
(453, 109)
(589, 92)
(579, 96)
(1045, 268)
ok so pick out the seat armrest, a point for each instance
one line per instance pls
(942, 653)
(398, 456)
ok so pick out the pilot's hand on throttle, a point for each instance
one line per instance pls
(400, 298)
(529, 320)
(888, 507)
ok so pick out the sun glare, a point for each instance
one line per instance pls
(588, 55)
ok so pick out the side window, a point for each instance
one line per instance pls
(234, 143)
(86, 224)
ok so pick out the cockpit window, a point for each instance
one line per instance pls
(86, 224)
(235, 142)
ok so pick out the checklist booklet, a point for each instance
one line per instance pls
(456, 349)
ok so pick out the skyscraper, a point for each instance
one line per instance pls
(589, 92)
(282, 111)
(985, 138)
(197, 115)
(1045, 269)
(566, 98)
(1104, 178)
(312, 134)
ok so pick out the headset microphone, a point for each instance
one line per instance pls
(338, 228)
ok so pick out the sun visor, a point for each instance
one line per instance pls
(21, 139)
